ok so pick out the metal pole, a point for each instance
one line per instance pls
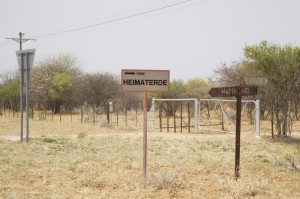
(20, 35)
(196, 115)
(21, 96)
(21, 86)
(257, 119)
(20, 40)
(174, 116)
(189, 118)
(145, 105)
(107, 115)
(222, 117)
(153, 114)
(160, 117)
(167, 117)
(27, 98)
(180, 117)
(199, 113)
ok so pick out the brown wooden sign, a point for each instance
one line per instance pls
(238, 92)
(233, 91)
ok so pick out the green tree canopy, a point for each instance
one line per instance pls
(281, 65)
(61, 84)
(198, 87)
(177, 90)
(53, 79)
(10, 94)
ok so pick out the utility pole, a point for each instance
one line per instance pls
(22, 40)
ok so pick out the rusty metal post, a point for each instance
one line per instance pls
(107, 115)
(238, 132)
(145, 106)
(174, 115)
(168, 117)
(222, 116)
(189, 118)
(180, 117)
(160, 117)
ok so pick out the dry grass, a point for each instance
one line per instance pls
(73, 160)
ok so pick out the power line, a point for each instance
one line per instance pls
(6, 43)
(115, 20)
(103, 18)
(21, 40)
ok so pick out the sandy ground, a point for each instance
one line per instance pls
(74, 160)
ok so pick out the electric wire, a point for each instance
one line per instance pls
(6, 43)
(114, 20)
(105, 17)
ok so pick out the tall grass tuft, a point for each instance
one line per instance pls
(81, 135)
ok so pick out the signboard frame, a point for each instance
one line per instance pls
(25, 60)
(256, 80)
(233, 91)
(155, 80)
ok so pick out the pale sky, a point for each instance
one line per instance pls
(190, 39)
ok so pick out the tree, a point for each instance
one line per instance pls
(177, 90)
(60, 88)
(52, 81)
(281, 65)
(9, 89)
(233, 74)
(8, 76)
(10, 94)
(198, 88)
(98, 88)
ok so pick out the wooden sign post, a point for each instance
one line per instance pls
(237, 92)
(145, 81)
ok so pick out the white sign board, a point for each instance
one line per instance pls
(30, 53)
(28, 57)
(258, 81)
(145, 80)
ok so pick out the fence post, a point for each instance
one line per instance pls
(126, 115)
(94, 114)
(222, 117)
(107, 115)
(153, 114)
(160, 117)
(180, 117)
(257, 119)
(189, 118)
(168, 117)
(174, 115)
(196, 115)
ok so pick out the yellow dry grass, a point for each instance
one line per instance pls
(74, 160)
